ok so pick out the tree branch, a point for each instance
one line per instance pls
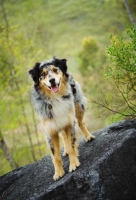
(124, 97)
(111, 110)
(129, 12)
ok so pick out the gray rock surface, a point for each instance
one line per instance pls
(107, 171)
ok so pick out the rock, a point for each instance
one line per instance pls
(107, 171)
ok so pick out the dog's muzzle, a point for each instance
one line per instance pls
(54, 87)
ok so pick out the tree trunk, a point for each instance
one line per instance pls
(7, 153)
(26, 123)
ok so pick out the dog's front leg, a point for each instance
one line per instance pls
(72, 147)
(65, 145)
(53, 142)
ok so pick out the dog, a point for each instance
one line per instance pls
(60, 104)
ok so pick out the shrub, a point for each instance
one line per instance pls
(122, 75)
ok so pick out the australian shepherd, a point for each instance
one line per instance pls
(60, 104)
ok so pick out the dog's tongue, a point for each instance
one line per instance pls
(55, 88)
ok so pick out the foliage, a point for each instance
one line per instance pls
(122, 53)
(14, 50)
(92, 59)
(115, 97)
(121, 99)
(89, 50)
(123, 56)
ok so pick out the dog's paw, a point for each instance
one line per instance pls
(74, 166)
(89, 138)
(58, 175)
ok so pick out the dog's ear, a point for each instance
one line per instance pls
(35, 73)
(62, 64)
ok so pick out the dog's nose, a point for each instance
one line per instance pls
(52, 80)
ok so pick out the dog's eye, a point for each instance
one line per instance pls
(55, 70)
(42, 76)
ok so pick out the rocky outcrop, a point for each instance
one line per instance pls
(107, 171)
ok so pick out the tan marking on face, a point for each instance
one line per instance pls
(45, 90)
(43, 80)
(63, 85)
(54, 69)
(43, 74)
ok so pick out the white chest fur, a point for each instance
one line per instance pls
(63, 114)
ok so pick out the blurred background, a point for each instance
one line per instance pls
(78, 30)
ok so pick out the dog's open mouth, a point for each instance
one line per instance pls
(55, 88)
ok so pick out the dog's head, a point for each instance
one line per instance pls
(49, 74)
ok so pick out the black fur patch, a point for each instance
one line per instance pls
(83, 107)
(66, 97)
(39, 98)
(73, 133)
(61, 63)
(50, 115)
(48, 111)
(35, 73)
(73, 141)
(52, 150)
(73, 87)
(74, 90)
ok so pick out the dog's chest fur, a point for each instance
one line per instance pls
(62, 111)
(57, 111)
